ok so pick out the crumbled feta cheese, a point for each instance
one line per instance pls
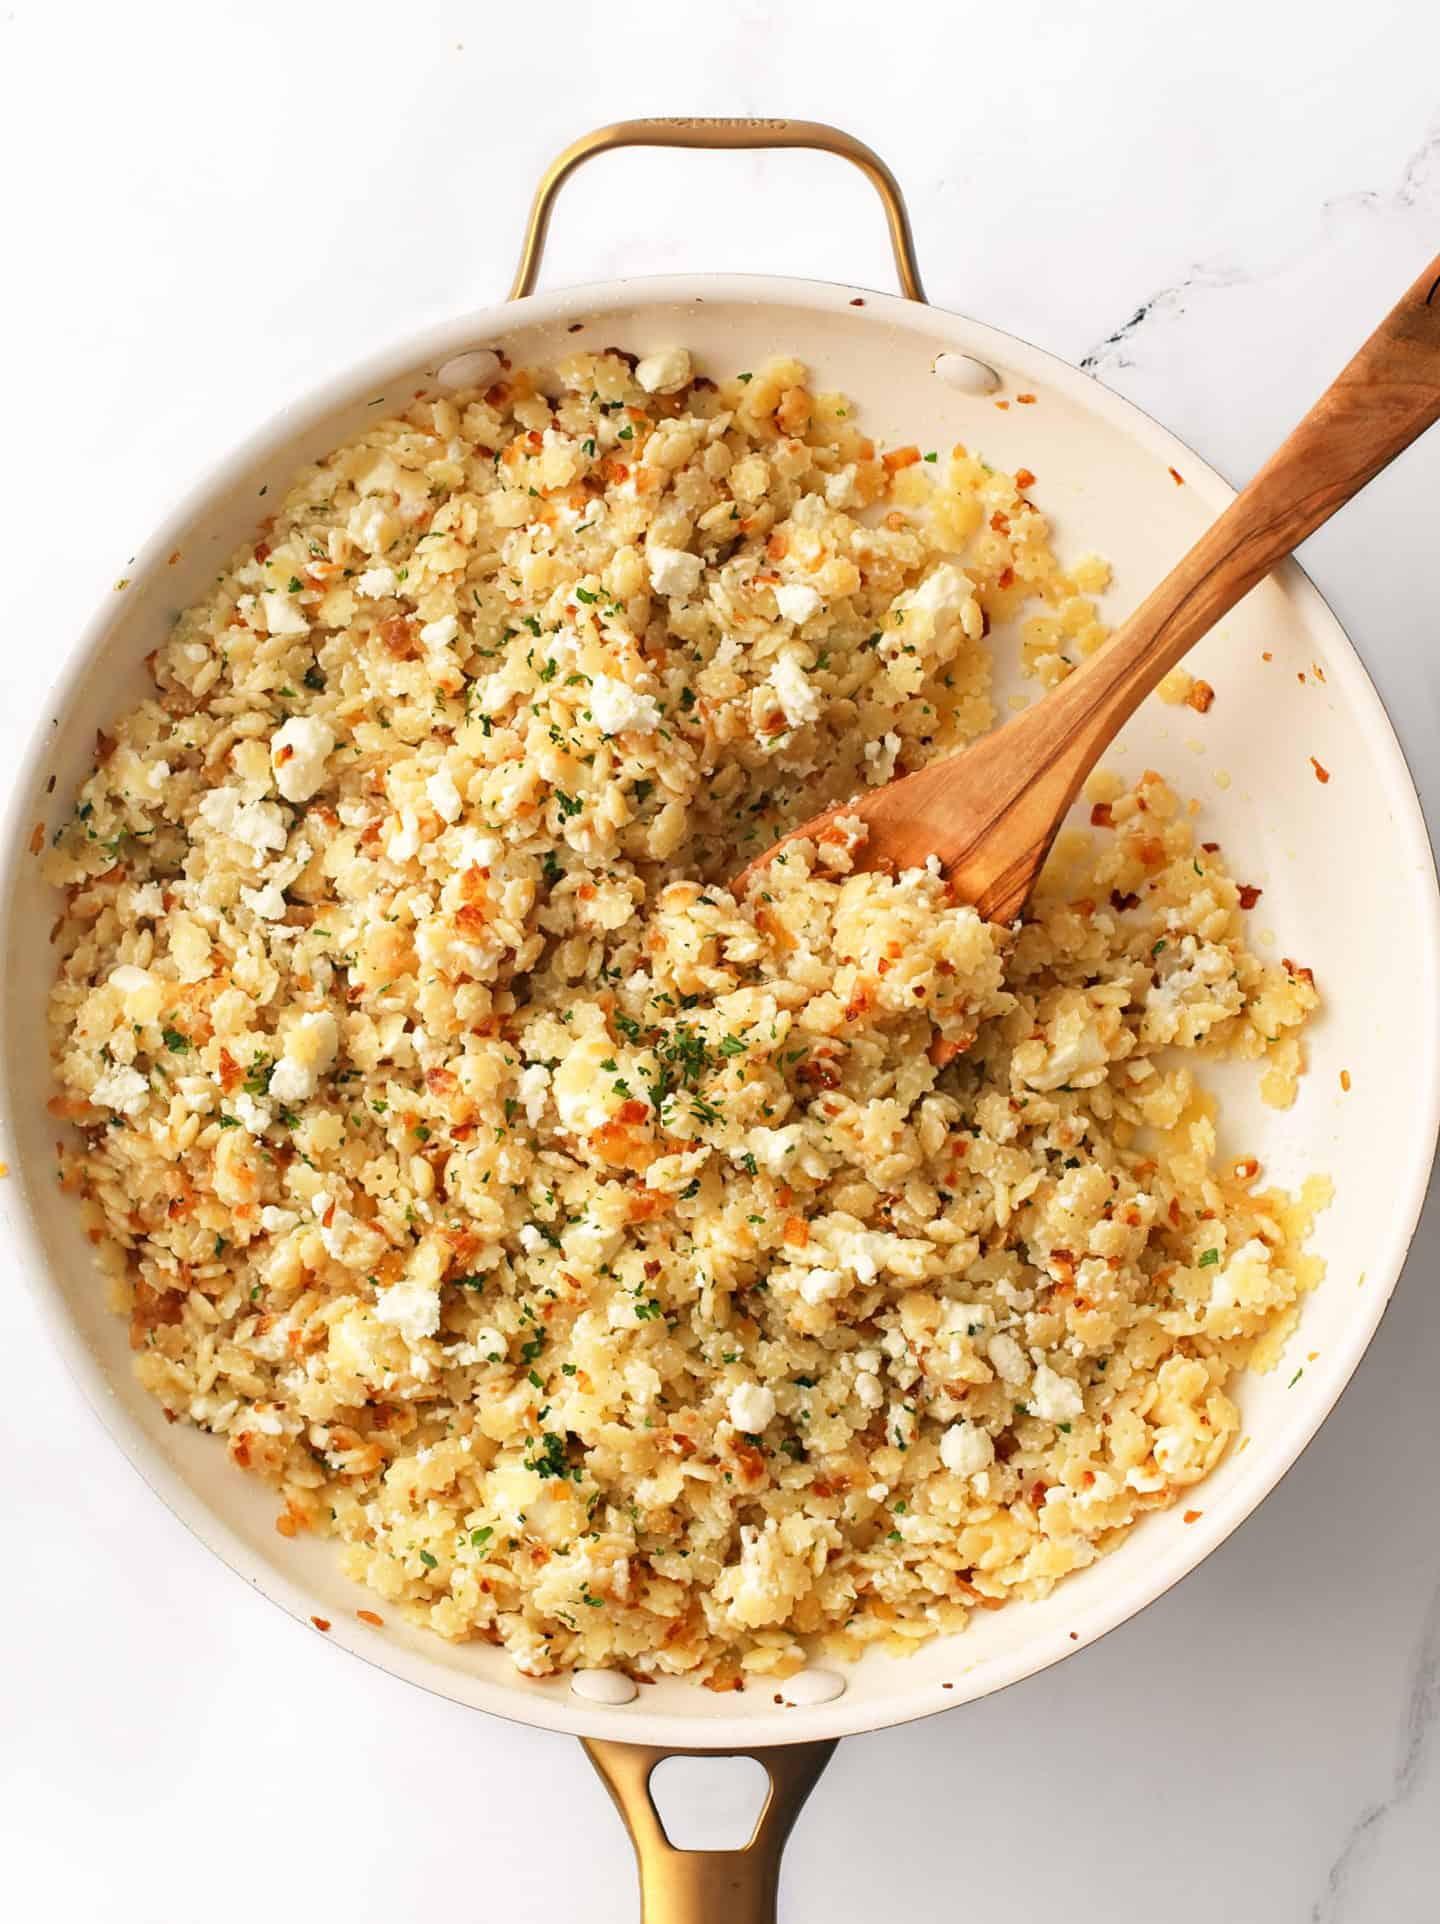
(1054, 1397)
(840, 487)
(880, 757)
(283, 615)
(867, 1388)
(124, 1090)
(1007, 1358)
(309, 1051)
(751, 1407)
(820, 1285)
(1074, 1051)
(673, 572)
(148, 901)
(372, 526)
(943, 593)
(530, 1238)
(267, 902)
(534, 1086)
(336, 1224)
(864, 1252)
(297, 754)
(258, 825)
(444, 796)
(938, 613)
(411, 1306)
(252, 1115)
(797, 601)
(153, 778)
(774, 1149)
(616, 707)
(665, 371)
(128, 977)
(1242, 1279)
(439, 634)
(477, 849)
(799, 700)
(966, 1449)
(375, 582)
(404, 842)
(277, 1222)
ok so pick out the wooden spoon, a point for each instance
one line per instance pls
(991, 812)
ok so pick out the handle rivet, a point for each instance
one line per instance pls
(963, 371)
(478, 368)
(604, 1687)
(813, 1686)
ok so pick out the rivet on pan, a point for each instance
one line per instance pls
(966, 373)
(604, 1687)
(478, 368)
(813, 1687)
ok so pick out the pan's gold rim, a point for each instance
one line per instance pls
(711, 134)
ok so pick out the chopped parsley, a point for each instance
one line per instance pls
(258, 1080)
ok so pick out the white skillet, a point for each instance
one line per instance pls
(1349, 889)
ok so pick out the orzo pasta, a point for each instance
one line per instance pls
(621, 1273)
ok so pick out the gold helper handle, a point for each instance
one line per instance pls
(708, 1887)
(720, 133)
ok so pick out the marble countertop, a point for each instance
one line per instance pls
(1204, 207)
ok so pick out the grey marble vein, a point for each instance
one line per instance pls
(1169, 303)
(1363, 1839)
(1419, 181)
(1418, 187)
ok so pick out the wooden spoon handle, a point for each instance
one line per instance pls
(1379, 403)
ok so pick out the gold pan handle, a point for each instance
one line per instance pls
(720, 133)
(708, 1887)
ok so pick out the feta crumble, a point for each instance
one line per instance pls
(1054, 1397)
(797, 696)
(796, 601)
(966, 1449)
(444, 796)
(664, 372)
(298, 749)
(674, 572)
(283, 615)
(411, 1306)
(616, 708)
(122, 1089)
(751, 1407)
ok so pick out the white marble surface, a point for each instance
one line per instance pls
(216, 205)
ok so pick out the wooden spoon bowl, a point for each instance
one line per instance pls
(990, 813)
